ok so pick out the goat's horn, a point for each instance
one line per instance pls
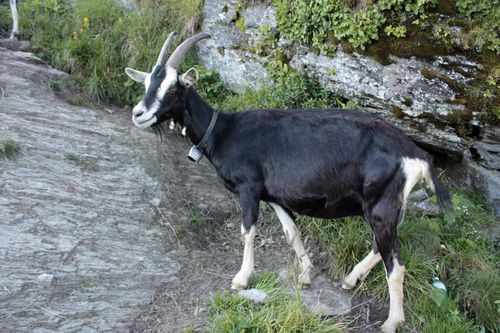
(162, 58)
(180, 52)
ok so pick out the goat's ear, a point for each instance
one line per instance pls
(190, 77)
(136, 75)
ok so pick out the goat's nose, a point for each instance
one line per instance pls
(138, 111)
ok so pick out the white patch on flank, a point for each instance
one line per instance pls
(414, 170)
(293, 237)
(241, 279)
(396, 312)
(184, 131)
(361, 270)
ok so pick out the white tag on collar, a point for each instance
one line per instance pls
(195, 154)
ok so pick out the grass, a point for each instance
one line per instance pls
(459, 254)
(8, 149)
(95, 40)
(282, 312)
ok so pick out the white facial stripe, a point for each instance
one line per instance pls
(169, 81)
(147, 81)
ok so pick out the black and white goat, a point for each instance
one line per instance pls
(323, 163)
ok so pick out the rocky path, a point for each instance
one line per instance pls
(86, 207)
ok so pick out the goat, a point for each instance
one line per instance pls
(326, 163)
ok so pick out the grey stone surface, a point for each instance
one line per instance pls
(227, 51)
(323, 296)
(86, 208)
(326, 298)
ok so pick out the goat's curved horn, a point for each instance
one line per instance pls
(162, 58)
(180, 52)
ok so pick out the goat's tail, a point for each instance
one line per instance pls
(442, 193)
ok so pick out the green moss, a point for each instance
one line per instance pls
(428, 74)
(398, 112)
(459, 116)
(240, 24)
(408, 102)
(447, 7)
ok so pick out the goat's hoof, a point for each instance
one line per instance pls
(304, 281)
(241, 279)
(390, 326)
(347, 286)
(349, 282)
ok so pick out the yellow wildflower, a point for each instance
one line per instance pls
(74, 35)
(86, 22)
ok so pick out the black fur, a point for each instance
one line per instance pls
(324, 163)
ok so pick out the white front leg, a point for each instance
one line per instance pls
(241, 279)
(396, 311)
(293, 237)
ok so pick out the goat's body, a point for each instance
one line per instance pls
(323, 163)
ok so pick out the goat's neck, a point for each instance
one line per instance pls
(200, 114)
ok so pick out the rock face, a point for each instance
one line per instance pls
(399, 91)
(86, 207)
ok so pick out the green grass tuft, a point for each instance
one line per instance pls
(282, 312)
(9, 148)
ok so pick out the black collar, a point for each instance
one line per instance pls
(203, 143)
(196, 151)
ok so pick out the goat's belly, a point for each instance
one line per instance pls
(327, 209)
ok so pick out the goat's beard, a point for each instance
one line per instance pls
(159, 129)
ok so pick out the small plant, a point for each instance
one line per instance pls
(9, 148)
(398, 31)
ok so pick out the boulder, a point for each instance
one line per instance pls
(412, 93)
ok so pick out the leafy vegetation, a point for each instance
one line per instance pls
(94, 40)
(459, 254)
(280, 313)
(325, 24)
